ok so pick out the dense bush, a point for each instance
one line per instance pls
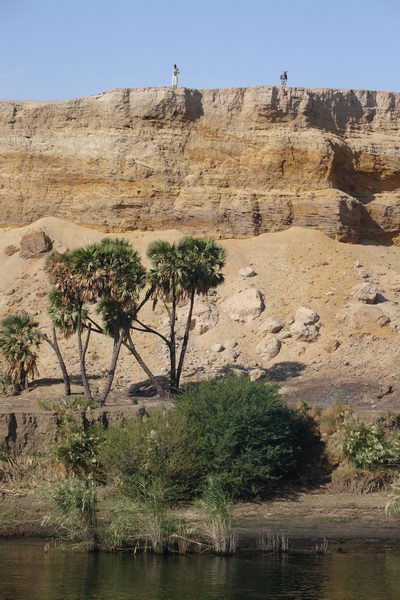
(78, 440)
(239, 431)
(367, 446)
(139, 452)
(243, 433)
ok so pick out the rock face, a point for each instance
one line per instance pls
(239, 161)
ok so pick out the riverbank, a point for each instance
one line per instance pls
(306, 519)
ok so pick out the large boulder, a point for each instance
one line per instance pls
(34, 243)
(269, 347)
(245, 306)
(365, 292)
(205, 316)
(271, 325)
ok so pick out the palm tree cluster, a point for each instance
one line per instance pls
(19, 339)
(110, 276)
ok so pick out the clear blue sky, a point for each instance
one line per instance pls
(55, 49)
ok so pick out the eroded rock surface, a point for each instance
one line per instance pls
(237, 162)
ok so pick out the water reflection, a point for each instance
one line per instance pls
(27, 572)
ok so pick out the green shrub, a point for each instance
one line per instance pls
(137, 452)
(78, 441)
(77, 448)
(242, 433)
(238, 431)
(7, 387)
(367, 446)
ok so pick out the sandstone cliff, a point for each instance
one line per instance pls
(233, 162)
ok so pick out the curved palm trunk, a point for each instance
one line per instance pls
(185, 340)
(172, 344)
(131, 347)
(54, 345)
(117, 343)
(82, 354)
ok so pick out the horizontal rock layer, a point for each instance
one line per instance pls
(31, 429)
(233, 162)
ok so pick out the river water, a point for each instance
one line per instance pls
(29, 573)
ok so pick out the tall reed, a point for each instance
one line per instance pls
(215, 524)
(74, 511)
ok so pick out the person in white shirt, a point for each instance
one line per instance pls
(175, 73)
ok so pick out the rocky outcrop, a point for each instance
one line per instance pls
(30, 429)
(233, 162)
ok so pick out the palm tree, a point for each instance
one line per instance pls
(19, 339)
(204, 259)
(67, 308)
(166, 278)
(64, 317)
(110, 274)
(182, 270)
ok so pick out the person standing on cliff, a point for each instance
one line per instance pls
(175, 73)
(283, 78)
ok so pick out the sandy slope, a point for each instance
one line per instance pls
(294, 268)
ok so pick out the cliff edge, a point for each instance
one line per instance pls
(231, 162)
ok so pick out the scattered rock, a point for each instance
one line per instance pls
(34, 243)
(205, 316)
(268, 348)
(305, 315)
(365, 292)
(305, 332)
(271, 325)
(332, 345)
(247, 272)
(245, 306)
(361, 316)
(217, 348)
(10, 250)
(10, 292)
(256, 374)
